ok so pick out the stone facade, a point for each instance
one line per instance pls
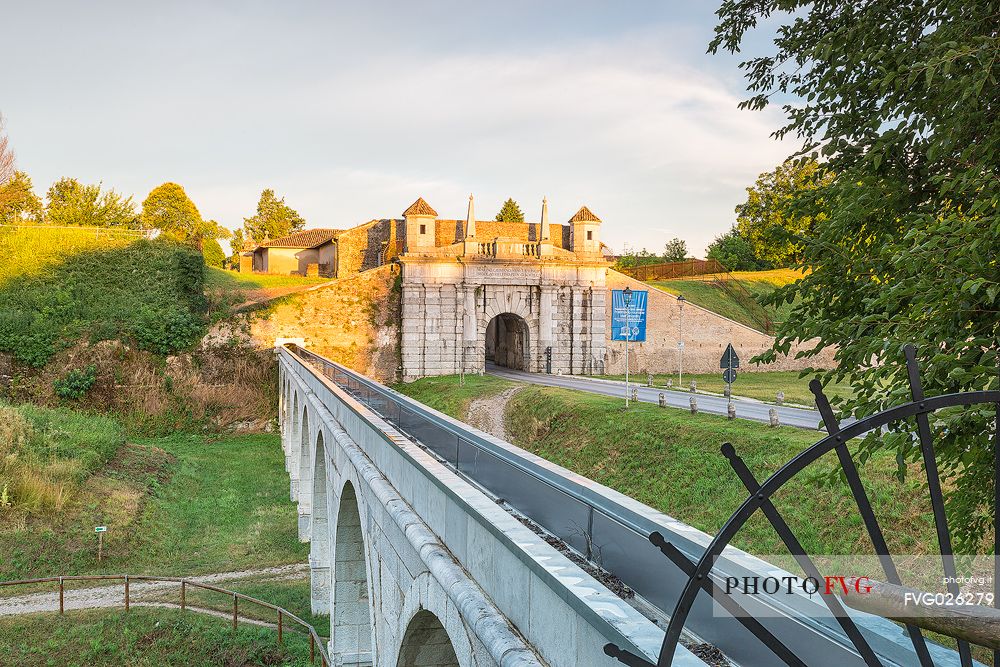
(515, 294)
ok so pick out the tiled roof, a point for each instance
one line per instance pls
(584, 215)
(307, 238)
(420, 207)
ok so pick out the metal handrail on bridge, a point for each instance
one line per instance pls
(316, 644)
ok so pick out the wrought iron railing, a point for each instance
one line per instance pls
(316, 645)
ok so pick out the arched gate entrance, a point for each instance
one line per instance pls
(508, 342)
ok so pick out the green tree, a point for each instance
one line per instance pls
(273, 220)
(766, 219)
(169, 209)
(734, 252)
(510, 212)
(213, 253)
(900, 100)
(18, 201)
(676, 250)
(72, 203)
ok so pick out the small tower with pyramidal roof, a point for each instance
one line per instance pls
(586, 232)
(421, 225)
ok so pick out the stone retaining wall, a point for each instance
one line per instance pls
(706, 335)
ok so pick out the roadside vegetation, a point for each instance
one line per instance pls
(227, 290)
(711, 292)
(762, 386)
(670, 460)
(142, 637)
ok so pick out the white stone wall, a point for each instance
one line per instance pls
(433, 542)
(447, 306)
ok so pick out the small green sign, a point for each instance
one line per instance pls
(100, 529)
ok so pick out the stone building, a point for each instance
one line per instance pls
(529, 296)
(422, 295)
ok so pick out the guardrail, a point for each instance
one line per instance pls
(315, 641)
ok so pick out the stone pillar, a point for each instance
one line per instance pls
(546, 325)
(470, 331)
(319, 585)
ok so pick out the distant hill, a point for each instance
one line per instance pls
(735, 295)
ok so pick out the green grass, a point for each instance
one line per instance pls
(449, 395)
(670, 460)
(179, 505)
(55, 291)
(46, 454)
(143, 637)
(706, 292)
(234, 280)
(762, 386)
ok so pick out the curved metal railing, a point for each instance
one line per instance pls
(316, 645)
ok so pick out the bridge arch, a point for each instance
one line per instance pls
(319, 546)
(426, 643)
(508, 341)
(351, 617)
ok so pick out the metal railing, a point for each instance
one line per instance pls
(316, 645)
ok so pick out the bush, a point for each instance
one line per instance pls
(76, 383)
(735, 253)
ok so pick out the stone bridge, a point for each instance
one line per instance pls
(434, 544)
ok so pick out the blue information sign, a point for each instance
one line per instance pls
(636, 316)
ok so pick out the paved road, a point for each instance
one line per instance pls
(746, 408)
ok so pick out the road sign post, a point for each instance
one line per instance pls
(729, 363)
(100, 530)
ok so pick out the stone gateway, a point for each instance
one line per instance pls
(522, 295)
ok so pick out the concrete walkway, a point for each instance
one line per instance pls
(746, 408)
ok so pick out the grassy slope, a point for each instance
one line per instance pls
(60, 285)
(144, 637)
(176, 505)
(670, 460)
(760, 385)
(701, 291)
(234, 280)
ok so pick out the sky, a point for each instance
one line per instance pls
(351, 110)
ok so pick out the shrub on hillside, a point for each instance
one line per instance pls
(76, 383)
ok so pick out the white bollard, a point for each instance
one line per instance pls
(731, 411)
(649, 379)
(694, 405)
(694, 386)
(635, 394)
(663, 400)
(780, 398)
(773, 417)
(670, 383)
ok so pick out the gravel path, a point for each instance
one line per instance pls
(487, 413)
(113, 595)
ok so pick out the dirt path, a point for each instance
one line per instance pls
(487, 414)
(112, 595)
